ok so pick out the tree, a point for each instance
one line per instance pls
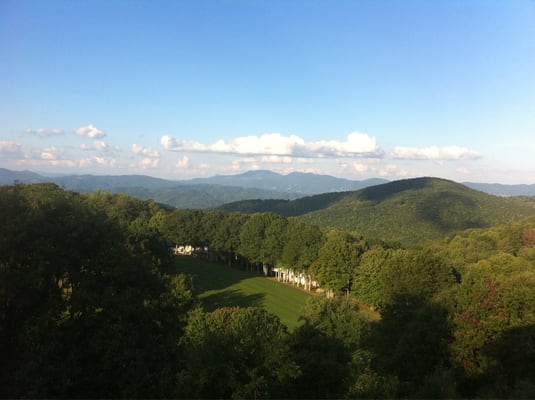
(235, 353)
(86, 308)
(493, 324)
(416, 275)
(185, 227)
(338, 260)
(227, 235)
(261, 238)
(368, 285)
(327, 347)
(411, 342)
(301, 244)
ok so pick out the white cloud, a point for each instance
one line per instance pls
(41, 132)
(357, 144)
(97, 161)
(85, 162)
(360, 168)
(90, 131)
(183, 163)
(276, 159)
(392, 171)
(149, 163)
(55, 156)
(62, 163)
(146, 151)
(98, 145)
(10, 149)
(101, 145)
(244, 164)
(434, 153)
(51, 153)
(275, 144)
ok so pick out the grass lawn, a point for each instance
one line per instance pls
(221, 286)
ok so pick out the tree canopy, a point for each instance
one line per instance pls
(91, 306)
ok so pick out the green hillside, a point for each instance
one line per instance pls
(286, 208)
(409, 211)
(412, 211)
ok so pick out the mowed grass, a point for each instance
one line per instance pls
(219, 285)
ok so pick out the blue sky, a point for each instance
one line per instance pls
(355, 89)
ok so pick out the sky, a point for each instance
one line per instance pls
(355, 89)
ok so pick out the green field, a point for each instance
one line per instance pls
(221, 286)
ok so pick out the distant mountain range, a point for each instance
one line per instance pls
(296, 183)
(499, 189)
(409, 211)
(201, 192)
(221, 189)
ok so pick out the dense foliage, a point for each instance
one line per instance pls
(86, 307)
(90, 306)
(423, 209)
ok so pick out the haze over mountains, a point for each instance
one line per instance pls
(409, 211)
(200, 192)
(263, 184)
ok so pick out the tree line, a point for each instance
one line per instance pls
(90, 306)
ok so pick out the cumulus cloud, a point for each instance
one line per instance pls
(62, 163)
(41, 132)
(434, 153)
(97, 161)
(149, 163)
(90, 131)
(98, 145)
(276, 159)
(392, 171)
(10, 149)
(249, 163)
(274, 144)
(55, 156)
(146, 151)
(361, 168)
(51, 153)
(101, 145)
(183, 163)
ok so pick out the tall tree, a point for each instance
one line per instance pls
(338, 260)
(301, 244)
(261, 238)
(227, 235)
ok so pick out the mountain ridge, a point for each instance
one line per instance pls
(196, 193)
(275, 185)
(301, 183)
(409, 211)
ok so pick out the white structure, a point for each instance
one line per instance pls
(187, 250)
(288, 275)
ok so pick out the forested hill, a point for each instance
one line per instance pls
(93, 304)
(178, 194)
(198, 193)
(410, 211)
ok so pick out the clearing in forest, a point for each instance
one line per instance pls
(219, 285)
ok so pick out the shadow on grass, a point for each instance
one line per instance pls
(209, 276)
(232, 298)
